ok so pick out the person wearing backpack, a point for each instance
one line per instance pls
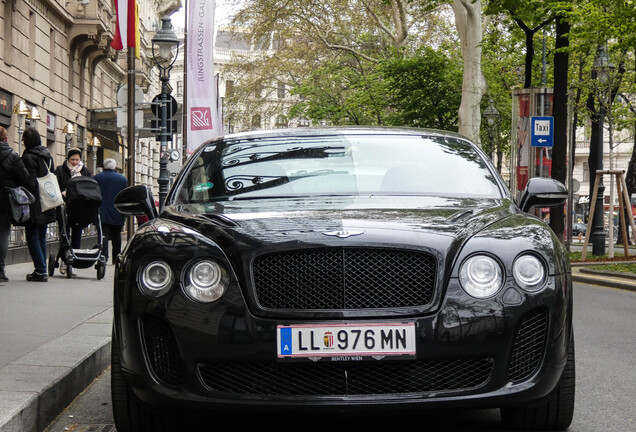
(13, 173)
(38, 162)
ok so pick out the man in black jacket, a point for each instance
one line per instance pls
(38, 162)
(12, 174)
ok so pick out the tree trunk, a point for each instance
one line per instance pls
(560, 114)
(469, 26)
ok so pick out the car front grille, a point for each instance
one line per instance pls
(346, 379)
(344, 279)
(161, 349)
(529, 345)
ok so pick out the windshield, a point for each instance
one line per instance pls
(286, 166)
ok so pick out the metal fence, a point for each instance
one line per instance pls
(17, 238)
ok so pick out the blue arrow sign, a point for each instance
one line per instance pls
(542, 132)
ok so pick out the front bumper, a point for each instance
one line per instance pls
(483, 353)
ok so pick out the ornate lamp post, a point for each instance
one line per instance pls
(164, 41)
(601, 72)
(492, 117)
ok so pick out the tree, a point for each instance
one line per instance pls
(468, 20)
(368, 31)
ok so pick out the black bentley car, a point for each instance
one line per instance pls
(339, 270)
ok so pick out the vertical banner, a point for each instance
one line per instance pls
(126, 26)
(203, 116)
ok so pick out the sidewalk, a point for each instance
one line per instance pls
(54, 340)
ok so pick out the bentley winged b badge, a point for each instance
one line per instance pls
(343, 234)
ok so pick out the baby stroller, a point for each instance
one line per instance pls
(81, 208)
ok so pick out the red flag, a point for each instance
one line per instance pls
(126, 25)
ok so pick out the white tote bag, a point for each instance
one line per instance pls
(50, 195)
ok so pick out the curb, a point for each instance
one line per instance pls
(36, 388)
(621, 280)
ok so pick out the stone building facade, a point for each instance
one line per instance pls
(57, 60)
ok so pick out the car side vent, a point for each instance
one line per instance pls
(161, 349)
(344, 279)
(529, 345)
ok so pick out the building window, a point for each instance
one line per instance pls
(586, 172)
(32, 30)
(256, 121)
(180, 88)
(52, 59)
(281, 90)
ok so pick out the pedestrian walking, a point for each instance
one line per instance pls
(111, 183)
(71, 167)
(38, 162)
(13, 173)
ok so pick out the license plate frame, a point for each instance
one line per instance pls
(346, 341)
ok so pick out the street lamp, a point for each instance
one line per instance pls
(69, 131)
(94, 143)
(601, 71)
(164, 41)
(21, 110)
(492, 117)
(34, 114)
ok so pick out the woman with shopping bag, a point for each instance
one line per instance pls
(38, 162)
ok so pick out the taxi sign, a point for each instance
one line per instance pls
(542, 132)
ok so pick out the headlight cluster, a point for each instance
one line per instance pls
(203, 281)
(482, 276)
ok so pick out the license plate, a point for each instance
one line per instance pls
(346, 341)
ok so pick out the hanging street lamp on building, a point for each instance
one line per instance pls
(163, 43)
(69, 131)
(21, 110)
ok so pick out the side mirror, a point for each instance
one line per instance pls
(542, 192)
(136, 200)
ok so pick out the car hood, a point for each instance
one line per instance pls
(438, 225)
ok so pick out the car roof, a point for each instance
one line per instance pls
(337, 130)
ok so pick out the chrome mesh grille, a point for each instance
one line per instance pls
(344, 279)
(346, 379)
(529, 345)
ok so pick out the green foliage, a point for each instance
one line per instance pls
(425, 89)
(342, 93)
(422, 91)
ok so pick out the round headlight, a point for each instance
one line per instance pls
(529, 272)
(480, 276)
(155, 279)
(206, 281)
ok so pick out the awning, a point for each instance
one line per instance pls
(103, 123)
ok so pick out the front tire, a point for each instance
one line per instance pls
(555, 412)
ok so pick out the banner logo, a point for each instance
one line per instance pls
(200, 118)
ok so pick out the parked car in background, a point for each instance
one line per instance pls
(579, 229)
(342, 269)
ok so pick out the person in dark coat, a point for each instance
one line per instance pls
(38, 162)
(71, 167)
(13, 173)
(111, 183)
